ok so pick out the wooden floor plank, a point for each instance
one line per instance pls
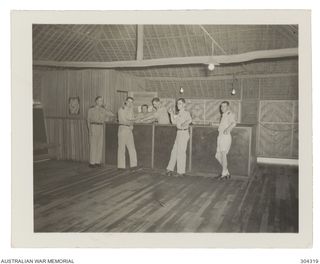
(70, 197)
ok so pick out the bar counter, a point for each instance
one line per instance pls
(154, 143)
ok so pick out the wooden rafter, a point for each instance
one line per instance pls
(139, 42)
(219, 59)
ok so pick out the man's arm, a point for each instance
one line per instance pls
(233, 123)
(148, 117)
(173, 117)
(88, 120)
(187, 121)
(109, 113)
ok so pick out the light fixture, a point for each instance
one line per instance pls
(181, 90)
(233, 91)
(211, 66)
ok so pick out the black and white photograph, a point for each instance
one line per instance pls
(166, 128)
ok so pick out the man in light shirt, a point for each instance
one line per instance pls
(160, 115)
(97, 115)
(227, 123)
(178, 154)
(142, 116)
(125, 135)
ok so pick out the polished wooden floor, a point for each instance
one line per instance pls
(70, 197)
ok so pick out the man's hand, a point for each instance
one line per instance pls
(226, 131)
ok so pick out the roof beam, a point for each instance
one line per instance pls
(219, 59)
(139, 42)
(223, 77)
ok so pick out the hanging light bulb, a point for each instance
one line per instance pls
(181, 90)
(233, 92)
(211, 66)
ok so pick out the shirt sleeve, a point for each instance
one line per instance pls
(108, 113)
(232, 118)
(188, 118)
(120, 116)
(156, 114)
(89, 118)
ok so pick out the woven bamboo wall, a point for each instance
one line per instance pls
(270, 102)
(204, 111)
(278, 129)
(67, 131)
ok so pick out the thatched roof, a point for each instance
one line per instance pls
(110, 43)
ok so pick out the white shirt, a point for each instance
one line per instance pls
(182, 120)
(227, 119)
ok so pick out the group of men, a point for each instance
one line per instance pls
(181, 119)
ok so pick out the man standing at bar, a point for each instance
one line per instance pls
(143, 114)
(125, 135)
(227, 123)
(160, 115)
(178, 154)
(96, 117)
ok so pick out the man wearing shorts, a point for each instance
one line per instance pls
(227, 123)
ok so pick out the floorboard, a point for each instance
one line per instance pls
(70, 197)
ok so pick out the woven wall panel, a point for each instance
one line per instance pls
(249, 111)
(204, 111)
(168, 102)
(215, 89)
(196, 109)
(281, 88)
(275, 140)
(250, 88)
(212, 112)
(276, 111)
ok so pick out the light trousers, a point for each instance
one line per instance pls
(125, 139)
(96, 143)
(178, 153)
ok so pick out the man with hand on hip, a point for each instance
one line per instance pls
(227, 123)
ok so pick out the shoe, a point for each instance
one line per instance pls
(169, 173)
(225, 177)
(91, 166)
(181, 175)
(217, 177)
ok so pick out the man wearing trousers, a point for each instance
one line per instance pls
(96, 117)
(227, 123)
(178, 154)
(125, 135)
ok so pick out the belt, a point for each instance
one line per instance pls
(96, 123)
(183, 129)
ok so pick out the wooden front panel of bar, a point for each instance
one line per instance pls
(143, 142)
(204, 145)
(164, 137)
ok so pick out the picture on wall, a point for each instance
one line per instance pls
(74, 105)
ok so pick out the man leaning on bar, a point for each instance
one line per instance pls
(160, 115)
